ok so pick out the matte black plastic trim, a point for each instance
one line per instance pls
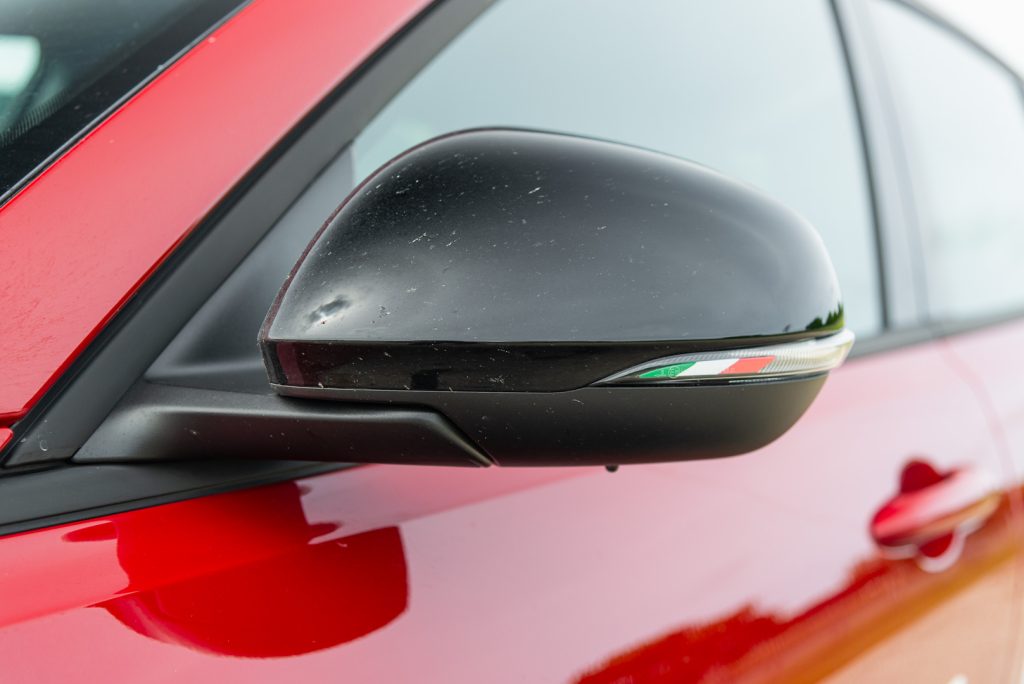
(602, 425)
(908, 337)
(164, 423)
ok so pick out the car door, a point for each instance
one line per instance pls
(875, 541)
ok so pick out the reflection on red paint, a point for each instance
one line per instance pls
(754, 645)
(306, 596)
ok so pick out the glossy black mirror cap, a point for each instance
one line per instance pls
(509, 260)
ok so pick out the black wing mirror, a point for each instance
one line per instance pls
(561, 301)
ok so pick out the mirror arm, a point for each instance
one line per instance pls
(165, 422)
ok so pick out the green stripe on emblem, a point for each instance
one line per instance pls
(667, 371)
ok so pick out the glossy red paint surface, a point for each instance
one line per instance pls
(172, 152)
(760, 568)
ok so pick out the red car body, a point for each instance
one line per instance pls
(762, 568)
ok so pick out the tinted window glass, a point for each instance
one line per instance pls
(62, 64)
(756, 90)
(962, 120)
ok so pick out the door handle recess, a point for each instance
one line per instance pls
(931, 506)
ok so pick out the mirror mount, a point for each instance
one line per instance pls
(523, 298)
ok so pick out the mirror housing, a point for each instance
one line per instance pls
(563, 301)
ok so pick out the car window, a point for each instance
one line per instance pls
(756, 90)
(62, 64)
(962, 123)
